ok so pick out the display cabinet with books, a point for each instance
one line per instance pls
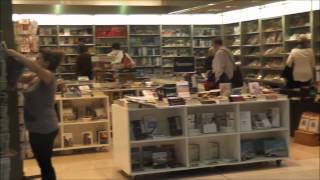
(206, 135)
(84, 122)
(145, 47)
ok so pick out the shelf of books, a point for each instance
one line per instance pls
(145, 48)
(155, 140)
(176, 42)
(261, 45)
(202, 37)
(84, 123)
(250, 50)
(316, 35)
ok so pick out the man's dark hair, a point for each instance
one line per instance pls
(116, 46)
(218, 41)
(83, 48)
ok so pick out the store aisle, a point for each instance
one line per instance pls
(303, 165)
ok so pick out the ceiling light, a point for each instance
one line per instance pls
(215, 10)
(229, 7)
(211, 4)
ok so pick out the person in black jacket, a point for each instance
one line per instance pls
(84, 64)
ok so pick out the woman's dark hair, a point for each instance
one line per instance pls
(116, 46)
(52, 57)
(218, 41)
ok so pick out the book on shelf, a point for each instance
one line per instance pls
(245, 121)
(213, 151)
(5, 168)
(138, 130)
(151, 125)
(248, 150)
(4, 142)
(193, 126)
(209, 124)
(274, 116)
(175, 126)
(147, 151)
(194, 154)
(102, 137)
(171, 155)
(68, 139)
(160, 158)
(136, 159)
(261, 121)
(87, 138)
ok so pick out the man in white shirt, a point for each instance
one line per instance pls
(302, 60)
(222, 66)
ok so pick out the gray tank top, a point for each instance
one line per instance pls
(39, 111)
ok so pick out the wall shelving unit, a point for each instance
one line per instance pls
(267, 55)
(129, 151)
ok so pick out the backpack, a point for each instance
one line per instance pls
(127, 62)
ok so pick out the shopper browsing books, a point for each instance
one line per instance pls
(302, 62)
(39, 112)
(84, 64)
(120, 59)
(223, 66)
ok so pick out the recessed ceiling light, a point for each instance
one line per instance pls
(211, 4)
(215, 10)
(228, 7)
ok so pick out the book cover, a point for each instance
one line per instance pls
(175, 126)
(103, 137)
(245, 121)
(213, 152)
(255, 88)
(160, 158)
(67, 139)
(274, 116)
(151, 125)
(225, 89)
(87, 138)
(147, 155)
(172, 160)
(194, 153)
(183, 89)
(138, 130)
(136, 163)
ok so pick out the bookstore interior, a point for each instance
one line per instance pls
(139, 89)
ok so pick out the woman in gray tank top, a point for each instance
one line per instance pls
(41, 119)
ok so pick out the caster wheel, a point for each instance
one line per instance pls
(279, 163)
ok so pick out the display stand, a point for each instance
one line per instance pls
(230, 142)
(12, 166)
(72, 133)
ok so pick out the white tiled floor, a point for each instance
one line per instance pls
(303, 165)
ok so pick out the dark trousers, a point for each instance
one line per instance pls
(42, 145)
